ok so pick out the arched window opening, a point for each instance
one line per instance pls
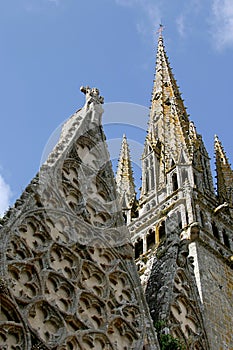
(138, 248)
(147, 182)
(215, 230)
(226, 239)
(152, 180)
(125, 217)
(179, 220)
(162, 231)
(202, 219)
(184, 175)
(174, 182)
(206, 166)
(195, 179)
(146, 172)
(150, 239)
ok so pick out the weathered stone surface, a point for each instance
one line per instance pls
(178, 205)
(68, 277)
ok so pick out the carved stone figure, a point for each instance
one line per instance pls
(92, 96)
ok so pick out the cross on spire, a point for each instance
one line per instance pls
(160, 30)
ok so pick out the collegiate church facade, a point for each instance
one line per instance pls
(85, 265)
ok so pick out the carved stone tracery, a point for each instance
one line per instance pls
(67, 260)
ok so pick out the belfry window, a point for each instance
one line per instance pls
(152, 182)
(226, 239)
(138, 248)
(195, 179)
(202, 218)
(174, 182)
(184, 175)
(150, 239)
(179, 219)
(146, 176)
(162, 231)
(215, 230)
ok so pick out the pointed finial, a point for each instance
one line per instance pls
(160, 30)
(217, 144)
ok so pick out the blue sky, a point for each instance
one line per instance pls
(49, 48)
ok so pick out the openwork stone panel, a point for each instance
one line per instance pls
(68, 275)
(24, 281)
(13, 331)
(185, 312)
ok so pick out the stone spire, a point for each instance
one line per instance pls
(224, 173)
(168, 118)
(172, 142)
(125, 181)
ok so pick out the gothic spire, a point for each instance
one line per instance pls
(168, 117)
(172, 142)
(124, 179)
(224, 173)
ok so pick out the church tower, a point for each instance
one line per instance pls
(183, 235)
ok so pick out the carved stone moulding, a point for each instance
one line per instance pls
(122, 336)
(34, 232)
(17, 249)
(12, 336)
(94, 279)
(95, 340)
(24, 281)
(46, 322)
(59, 292)
(132, 314)
(70, 342)
(64, 261)
(93, 199)
(185, 315)
(102, 255)
(49, 195)
(58, 226)
(181, 283)
(121, 287)
(13, 331)
(92, 311)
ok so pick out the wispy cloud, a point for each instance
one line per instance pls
(5, 194)
(222, 23)
(186, 19)
(180, 22)
(150, 10)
